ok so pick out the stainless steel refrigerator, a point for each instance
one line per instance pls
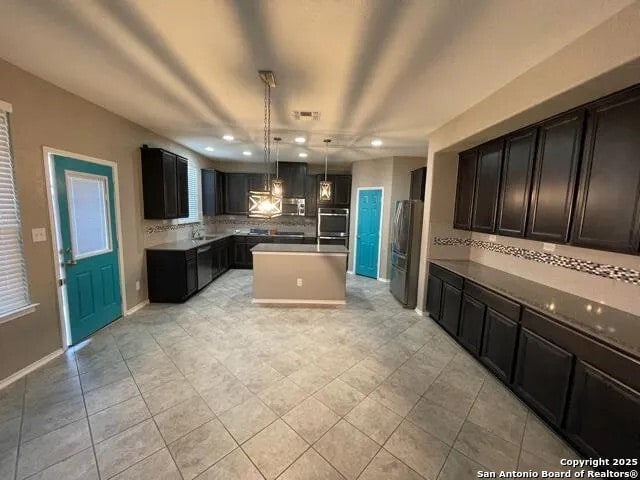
(406, 234)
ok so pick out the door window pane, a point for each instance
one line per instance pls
(88, 214)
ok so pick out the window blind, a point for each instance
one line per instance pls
(193, 188)
(14, 288)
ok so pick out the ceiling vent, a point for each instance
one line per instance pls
(306, 115)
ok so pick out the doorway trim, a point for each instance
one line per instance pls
(355, 244)
(56, 241)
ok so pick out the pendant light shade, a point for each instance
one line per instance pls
(326, 186)
(277, 184)
(262, 203)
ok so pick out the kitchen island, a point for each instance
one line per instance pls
(299, 274)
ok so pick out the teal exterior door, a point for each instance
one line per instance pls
(368, 228)
(86, 212)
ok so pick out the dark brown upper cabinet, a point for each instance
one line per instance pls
(607, 214)
(236, 187)
(212, 192)
(467, 163)
(294, 175)
(555, 178)
(341, 191)
(182, 186)
(311, 196)
(417, 186)
(485, 198)
(515, 185)
(164, 184)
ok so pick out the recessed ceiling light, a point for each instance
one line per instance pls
(246, 153)
(299, 139)
(303, 155)
(209, 149)
(376, 142)
(228, 137)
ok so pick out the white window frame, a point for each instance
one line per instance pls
(194, 195)
(27, 307)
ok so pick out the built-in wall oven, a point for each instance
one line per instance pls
(333, 226)
(293, 207)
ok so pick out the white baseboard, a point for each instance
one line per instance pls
(383, 280)
(286, 301)
(350, 272)
(139, 306)
(27, 370)
(419, 312)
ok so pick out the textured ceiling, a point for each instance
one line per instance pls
(394, 70)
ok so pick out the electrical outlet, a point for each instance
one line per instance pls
(492, 238)
(39, 235)
(299, 282)
(549, 247)
(137, 285)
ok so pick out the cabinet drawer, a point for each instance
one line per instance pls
(446, 276)
(542, 375)
(497, 302)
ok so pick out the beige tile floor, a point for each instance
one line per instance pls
(219, 389)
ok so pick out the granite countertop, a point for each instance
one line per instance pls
(188, 244)
(299, 248)
(617, 328)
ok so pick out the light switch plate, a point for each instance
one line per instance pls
(38, 235)
(549, 247)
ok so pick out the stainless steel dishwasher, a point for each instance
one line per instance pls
(205, 266)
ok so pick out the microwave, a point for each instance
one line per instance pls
(333, 222)
(293, 207)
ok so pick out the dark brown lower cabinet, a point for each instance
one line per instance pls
(604, 415)
(434, 297)
(172, 275)
(543, 375)
(450, 309)
(471, 324)
(499, 344)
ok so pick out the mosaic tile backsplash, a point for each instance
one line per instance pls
(229, 222)
(613, 272)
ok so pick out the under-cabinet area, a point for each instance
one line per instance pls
(576, 363)
(574, 178)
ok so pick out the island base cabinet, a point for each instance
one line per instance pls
(499, 344)
(450, 308)
(471, 324)
(542, 375)
(434, 297)
(604, 416)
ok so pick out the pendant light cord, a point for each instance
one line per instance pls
(267, 134)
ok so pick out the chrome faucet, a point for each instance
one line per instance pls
(196, 231)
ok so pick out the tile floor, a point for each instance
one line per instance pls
(220, 389)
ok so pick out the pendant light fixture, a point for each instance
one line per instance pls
(262, 204)
(277, 185)
(325, 185)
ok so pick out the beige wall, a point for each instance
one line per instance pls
(45, 115)
(602, 61)
(393, 174)
(366, 174)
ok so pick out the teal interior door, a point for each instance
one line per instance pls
(85, 198)
(368, 232)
